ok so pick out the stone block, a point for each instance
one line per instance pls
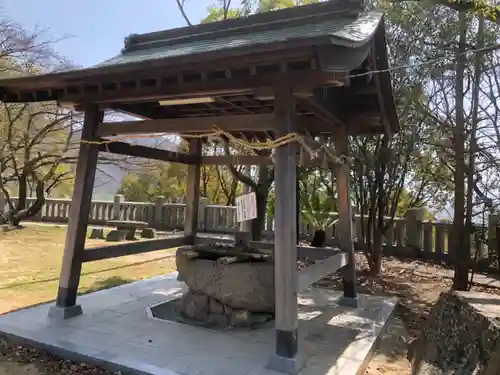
(148, 233)
(219, 320)
(290, 366)
(239, 318)
(216, 307)
(62, 313)
(116, 235)
(228, 310)
(247, 286)
(97, 234)
(195, 305)
(460, 336)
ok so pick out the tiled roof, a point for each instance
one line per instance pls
(348, 29)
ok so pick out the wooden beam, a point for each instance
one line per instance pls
(306, 252)
(256, 160)
(257, 122)
(320, 107)
(341, 172)
(131, 248)
(79, 214)
(310, 275)
(236, 160)
(356, 124)
(287, 358)
(193, 193)
(123, 148)
(230, 123)
(309, 252)
(305, 80)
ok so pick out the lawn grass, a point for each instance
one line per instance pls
(30, 263)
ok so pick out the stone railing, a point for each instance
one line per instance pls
(405, 236)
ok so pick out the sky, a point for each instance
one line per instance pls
(94, 30)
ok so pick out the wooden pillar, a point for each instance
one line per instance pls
(350, 297)
(65, 306)
(193, 192)
(297, 203)
(287, 357)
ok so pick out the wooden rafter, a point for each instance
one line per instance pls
(252, 122)
(233, 123)
(157, 88)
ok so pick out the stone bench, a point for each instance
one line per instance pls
(129, 227)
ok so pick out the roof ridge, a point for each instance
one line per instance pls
(256, 22)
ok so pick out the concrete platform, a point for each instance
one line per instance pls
(117, 332)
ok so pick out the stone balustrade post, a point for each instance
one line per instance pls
(202, 204)
(158, 218)
(492, 236)
(414, 229)
(117, 207)
(2, 202)
(354, 210)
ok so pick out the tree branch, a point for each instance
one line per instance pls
(180, 4)
(237, 174)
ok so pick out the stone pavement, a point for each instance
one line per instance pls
(117, 332)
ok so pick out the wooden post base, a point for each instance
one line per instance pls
(285, 365)
(287, 358)
(62, 313)
(349, 301)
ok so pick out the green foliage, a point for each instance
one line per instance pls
(168, 180)
(317, 205)
(318, 211)
(64, 187)
(217, 13)
(270, 5)
(271, 204)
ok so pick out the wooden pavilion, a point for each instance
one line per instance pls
(308, 70)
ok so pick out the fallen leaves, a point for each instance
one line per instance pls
(37, 362)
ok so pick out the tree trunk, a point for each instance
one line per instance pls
(33, 209)
(23, 192)
(373, 247)
(259, 222)
(459, 243)
(377, 254)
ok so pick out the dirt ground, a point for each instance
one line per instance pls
(417, 291)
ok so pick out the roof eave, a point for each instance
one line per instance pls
(44, 81)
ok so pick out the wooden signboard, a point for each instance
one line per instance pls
(246, 207)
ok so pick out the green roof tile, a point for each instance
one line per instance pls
(342, 30)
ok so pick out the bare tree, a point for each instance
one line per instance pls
(37, 144)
